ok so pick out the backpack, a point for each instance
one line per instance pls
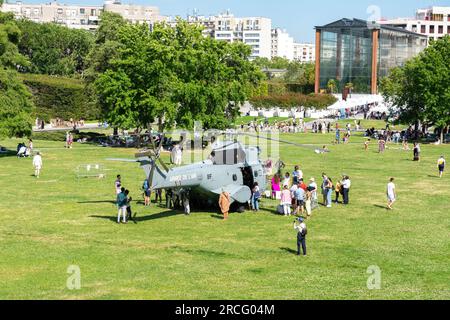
(304, 232)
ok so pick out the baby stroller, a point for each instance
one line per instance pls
(22, 151)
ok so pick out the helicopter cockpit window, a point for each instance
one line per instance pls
(235, 178)
(229, 156)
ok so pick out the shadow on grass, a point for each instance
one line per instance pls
(137, 219)
(218, 217)
(380, 206)
(98, 201)
(289, 250)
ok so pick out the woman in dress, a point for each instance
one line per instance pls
(276, 186)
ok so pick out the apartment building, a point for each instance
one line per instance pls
(80, 16)
(253, 31)
(304, 52)
(433, 22)
(282, 44)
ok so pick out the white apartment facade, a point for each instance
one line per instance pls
(433, 22)
(80, 16)
(304, 52)
(253, 31)
(282, 44)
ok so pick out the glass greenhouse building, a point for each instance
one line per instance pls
(359, 52)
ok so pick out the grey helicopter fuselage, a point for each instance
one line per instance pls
(231, 168)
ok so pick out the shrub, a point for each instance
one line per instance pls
(60, 97)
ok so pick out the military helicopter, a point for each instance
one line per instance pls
(231, 167)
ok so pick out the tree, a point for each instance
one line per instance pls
(332, 85)
(420, 89)
(175, 75)
(53, 49)
(15, 100)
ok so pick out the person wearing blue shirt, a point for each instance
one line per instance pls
(299, 195)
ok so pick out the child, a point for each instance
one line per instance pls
(366, 145)
(37, 163)
(308, 203)
(286, 201)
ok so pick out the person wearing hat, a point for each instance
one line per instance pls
(441, 166)
(300, 227)
(312, 187)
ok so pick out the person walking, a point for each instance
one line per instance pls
(441, 166)
(391, 194)
(224, 204)
(338, 136)
(286, 201)
(302, 231)
(122, 206)
(346, 185)
(37, 164)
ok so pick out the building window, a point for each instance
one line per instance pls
(423, 29)
(431, 29)
(440, 29)
(92, 12)
(59, 11)
(82, 10)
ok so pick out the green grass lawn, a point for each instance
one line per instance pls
(57, 221)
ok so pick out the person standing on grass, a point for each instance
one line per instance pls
(118, 185)
(286, 200)
(441, 166)
(147, 193)
(287, 180)
(346, 184)
(324, 188)
(224, 204)
(329, 190)
(391, 194)
(129, 200)
(337, 190)
(302, 231)
(366, 145)
(416, 152)
(122, 206)
(37, 164)
(338, 135)
(256, 197)
(299, 196)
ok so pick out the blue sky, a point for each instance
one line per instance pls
(298, 17)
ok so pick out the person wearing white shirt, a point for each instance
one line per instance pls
(346, 184)
(300, 227)
(37, 164)
(391, 194)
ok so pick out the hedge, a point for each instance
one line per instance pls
(60, 97)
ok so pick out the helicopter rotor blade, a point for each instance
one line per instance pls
(150, 177)
(311, 147)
